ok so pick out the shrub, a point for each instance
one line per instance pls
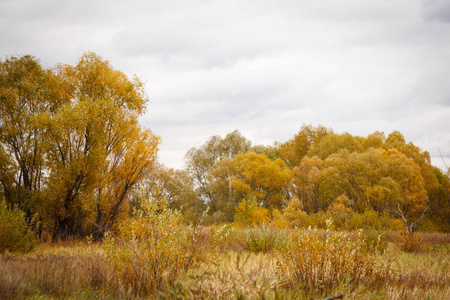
(340, 210)
(224, 237)
(263, 238)
(410, 242)
(15, 234)
(278, 220)
(317, 220)
(316, 262)
(152, 249)
(250, 213)
(294, 214)
(371, 219)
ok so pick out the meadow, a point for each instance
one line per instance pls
(226, 262)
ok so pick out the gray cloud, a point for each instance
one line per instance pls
(262, 67)
(436, 10)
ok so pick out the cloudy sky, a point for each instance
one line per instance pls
(262, 67)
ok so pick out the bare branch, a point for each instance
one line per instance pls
(443, 160)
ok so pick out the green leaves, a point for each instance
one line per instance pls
(15, 234)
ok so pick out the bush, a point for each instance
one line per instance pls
(316, 262)
(340, 211)
(224, 237)
(278, 220)
(410, 242)
(152, 249)
(15, 234)
(250, 213)
(371, 219)
(317, 220)
(262, 239)
(294, 214)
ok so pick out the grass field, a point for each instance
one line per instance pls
(241, 265)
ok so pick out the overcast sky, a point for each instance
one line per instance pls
(262, 67)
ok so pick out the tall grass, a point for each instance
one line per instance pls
(54, 272)
(262, 239)
(151, 250)
(319, 263)
(85, 271)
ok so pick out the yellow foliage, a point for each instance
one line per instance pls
(340, 210)
(305, 183)
(396, 224)
(250, 213)
(261, 178)
(278, 220)
(294, 214)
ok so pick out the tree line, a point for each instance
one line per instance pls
(322, 171)
(74, 158)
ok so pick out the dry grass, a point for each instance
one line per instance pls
(79, 271)
(232, 276)
(419, 241)
(52, 272)
(428, 238)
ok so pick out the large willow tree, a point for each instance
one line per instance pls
(72, 148)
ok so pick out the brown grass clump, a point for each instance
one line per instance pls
(54, 272)
(315, 263)
(419, 241)
(435, 238)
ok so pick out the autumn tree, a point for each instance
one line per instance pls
(294, 213)
(26, 91)
(305, 184)
(259, 177)
(376, 139)
(370, 171)
(246, 176)
(250, 213)
(296, 148)
(222, 198)
(333, 143)
(200, 161)
(432, 176)
(71, 145)
(374, 179)
(271, 151)
(97, 151)
(373, 174)
(340, 210)
(172, 186)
